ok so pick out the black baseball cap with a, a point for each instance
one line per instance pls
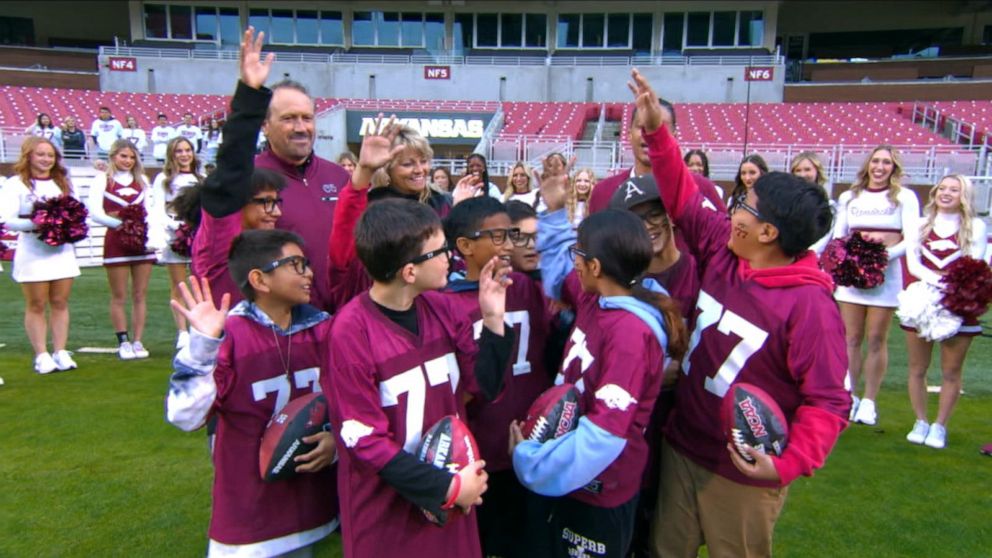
(635, 191)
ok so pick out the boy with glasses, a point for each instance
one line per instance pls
(401, 357)
(241, 368)
(480, 230)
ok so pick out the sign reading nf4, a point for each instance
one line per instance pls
(759, 73)
(437, 72)
(123, 64)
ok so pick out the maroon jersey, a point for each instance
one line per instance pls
(385, 387)
(252, 385)
(682, 283)
(211, 244)
(525, 378)
(616, 363)
(776, 328)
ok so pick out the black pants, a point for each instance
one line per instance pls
(574, 528)
(503, 517)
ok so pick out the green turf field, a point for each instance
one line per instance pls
(89, 467)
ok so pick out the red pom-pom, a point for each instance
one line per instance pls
(967, 287)
(182, 242)
(60, 220)
(133, 229)
(3, 245)
(855, 262)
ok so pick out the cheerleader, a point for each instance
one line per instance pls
(44, 272)
(807, 165)
(181, 170)
(577, 200)
(750, 170)
(950, 229)
(879, 208)
(519, 186)
(125, 185)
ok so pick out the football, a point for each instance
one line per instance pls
(447, 445)
(553, 414)
(283, 437)
(751, 417)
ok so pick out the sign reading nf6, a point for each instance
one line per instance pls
(759, 73)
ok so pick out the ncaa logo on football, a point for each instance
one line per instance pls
(329, 188)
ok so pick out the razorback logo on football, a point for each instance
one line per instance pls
(752, 417)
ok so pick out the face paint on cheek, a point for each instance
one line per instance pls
(740, 231)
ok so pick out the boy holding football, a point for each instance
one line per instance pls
(765, 317)
(243, 367)
(401, 357)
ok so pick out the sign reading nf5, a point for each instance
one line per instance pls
(123, 64)
(437, 72)
(759, 73)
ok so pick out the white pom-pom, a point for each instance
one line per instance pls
(917, 302)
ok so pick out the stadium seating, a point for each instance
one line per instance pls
(972, 113)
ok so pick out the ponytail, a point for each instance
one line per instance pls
(678, 334)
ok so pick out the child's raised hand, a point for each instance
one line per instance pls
(254, 70)
(762, 469)
(652, 114)
(197, 306)
(554, 188)
(493, 282)
(467, 187)
(377, 145)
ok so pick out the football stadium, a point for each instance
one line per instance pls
(844, 148)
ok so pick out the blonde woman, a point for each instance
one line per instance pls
(44, 272)
(125, 184)
(950, 229)
(407, 171)
(807, 165)
(577, 200)
(181, 171)
(879, 208)
(518, 186)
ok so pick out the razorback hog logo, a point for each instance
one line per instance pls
(352, 431)
(567, 418)
(615, 397)
(753, 420)
(317, 414)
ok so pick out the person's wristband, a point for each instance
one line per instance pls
(456, 488)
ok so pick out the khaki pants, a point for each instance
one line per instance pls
(696, 507)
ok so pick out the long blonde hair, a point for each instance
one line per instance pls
(572, 196)
(22, 168)
(408, 138)
(814, 159)
(137, 171)
(967, 211)
(510, 190)
(895, 179)
(171, 167)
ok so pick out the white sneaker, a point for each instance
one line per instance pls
(182, 340)
(44, 364)
(919, 432)
(937, 437)
(139, 350)
(855, 400)
(866, 413)
(63, 360)
(126, 351)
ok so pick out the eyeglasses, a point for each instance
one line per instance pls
(654, 217)
(740, 202)
(300, 264)
(524, 239)
(498, 236)
(268, 204)
(574, 250)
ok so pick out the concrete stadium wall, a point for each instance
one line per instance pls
(471, 83)
(876, 92)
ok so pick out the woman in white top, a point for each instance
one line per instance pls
(212, 138)
(135, 134)
(44, 272)
(519, 187)
(577, 199)
(950, 229)
(807, 165)
(44, 127)
(883, 211)
(181, 171)
(125, 184)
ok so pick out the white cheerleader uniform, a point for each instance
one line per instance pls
(34, 261)
(162, 219)
(871, 211)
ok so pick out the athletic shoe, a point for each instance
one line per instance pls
(126, 351)
(182, 340)
(854, 407)
(937, 437)
(866, 413)
(44, 364)
(919, 432)
(139, 350)
(63, 360)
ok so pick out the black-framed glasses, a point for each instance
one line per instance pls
(655, 216)
(446, 250)
(524, 239)
(498, 236)
(268, 204)
(299, 263)
(740, 202)
(574, 250)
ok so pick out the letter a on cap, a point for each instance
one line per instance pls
(632, 190)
